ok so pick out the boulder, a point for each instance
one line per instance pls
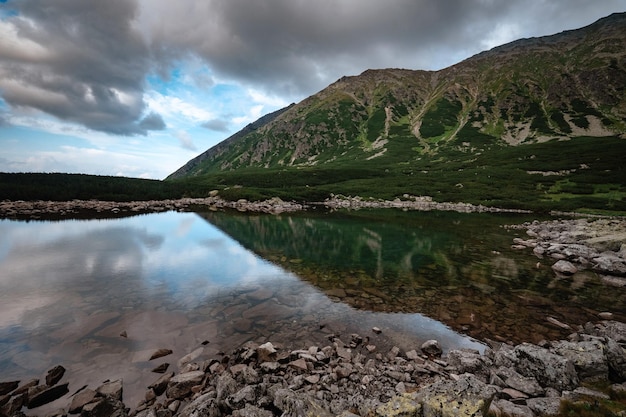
(616, 358)
(160, 385)
(205, 405)
(9, 386)
(545, 406)
(588, 358)
(180, 385)
(469, 361)
(505, 408)
(54, 375)
(81, 399)
(549, 369)
(467, 396)
(45, 396)
(111, 389)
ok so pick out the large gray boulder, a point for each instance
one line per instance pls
(588, 358)
(548, 368)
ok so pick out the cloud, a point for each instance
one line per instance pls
(217, 125)
(82, 62)
(153, 121)
(296, 48)
(87, 62)
(185, 140)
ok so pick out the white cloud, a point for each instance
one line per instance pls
(253, 114)
(185, 140)
(174, 107)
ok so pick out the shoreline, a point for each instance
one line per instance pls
(350, 377)
(39, 208)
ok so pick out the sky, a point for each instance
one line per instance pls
(139, 87)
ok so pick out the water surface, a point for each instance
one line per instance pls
(70, 289)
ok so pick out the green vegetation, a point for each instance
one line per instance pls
(584, 174)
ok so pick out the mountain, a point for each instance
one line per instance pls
(538, 123)
(529, 91)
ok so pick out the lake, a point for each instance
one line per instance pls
(100, 296)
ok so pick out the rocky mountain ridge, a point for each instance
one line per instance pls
(532, 90)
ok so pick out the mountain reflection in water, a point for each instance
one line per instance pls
(69, 290)
(455, 268)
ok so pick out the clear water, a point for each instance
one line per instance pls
(69, 289)
(209, 282)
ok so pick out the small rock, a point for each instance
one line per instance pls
(54, 375)
(564, 267)
(432, 348)
(266, 352)
(605, 315)
(81, 399)
(377, 330)
(299, 365)
(161, 368)
(124, 334)
(160, 353)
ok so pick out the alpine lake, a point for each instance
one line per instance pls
(100, 296)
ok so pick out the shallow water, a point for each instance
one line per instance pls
(69, 289)
(208, 282)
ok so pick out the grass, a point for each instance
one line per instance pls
(593, 177)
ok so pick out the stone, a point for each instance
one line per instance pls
(431, 348)
(527, 385)
(112, 389)
(246, 395)
(102, 407)
(400, 406)
(266, 352)
(47, 395)
(512, 394)
(605, 315)
(292, 404)
(252, 411)
(81, 399)
(8, 386)
(179, 386)
(160, 353)
(466, 397)
(377, 330)
(225, 386)
(469, 361)
(299, 365)
(54, 375)
(588, 357)
(161, 369)
(544, 406)
(502, 408)
(23, 389)
(564, 267)
(549, 369)
(616, 358)
(581, 393)
(160, 385)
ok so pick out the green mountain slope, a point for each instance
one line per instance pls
(514, 101)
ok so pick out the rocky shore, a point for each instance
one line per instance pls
(578, 246)
(409, 202)
(350, 377)
(38, 209)
(41, 209)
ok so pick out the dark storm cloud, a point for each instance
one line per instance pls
(87, 61)
(79, 61)
(295, 48)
